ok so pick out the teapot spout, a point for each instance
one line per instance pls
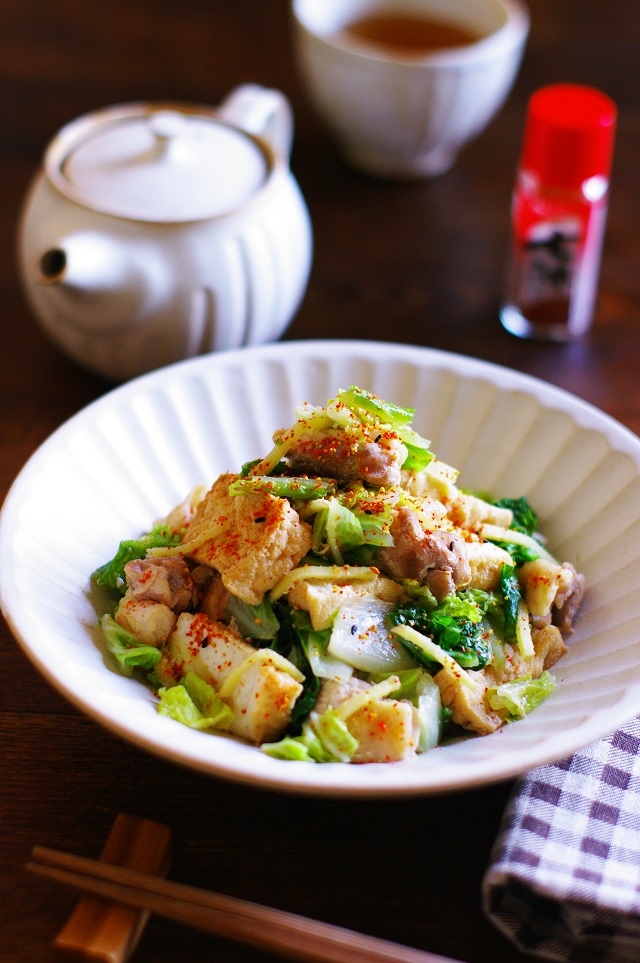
(85, 261)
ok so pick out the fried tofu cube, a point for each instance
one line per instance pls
(262, 696)
(467, 703)
(252, 539)
(485, 561)
(151, 622)
(471, 513)
(262, 702)
(387, 730)
(211, 649)
(548, 646)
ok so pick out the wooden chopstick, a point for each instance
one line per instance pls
(292, 936)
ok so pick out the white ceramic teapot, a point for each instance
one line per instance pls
(156, 232)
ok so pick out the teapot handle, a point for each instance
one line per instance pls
(261, 111)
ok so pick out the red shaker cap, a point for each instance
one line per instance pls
(568, 136)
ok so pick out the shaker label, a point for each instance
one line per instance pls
(548, 259)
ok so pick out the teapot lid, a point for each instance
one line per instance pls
(157, 163)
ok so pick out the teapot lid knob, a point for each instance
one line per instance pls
(167, 124)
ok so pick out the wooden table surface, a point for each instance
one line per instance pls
(420, 263)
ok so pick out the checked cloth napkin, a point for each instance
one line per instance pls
(563, 882)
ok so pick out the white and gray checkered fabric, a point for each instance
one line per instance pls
(564, 877)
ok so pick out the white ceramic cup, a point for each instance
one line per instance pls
(398, 114)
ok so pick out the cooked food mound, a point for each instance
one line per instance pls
(341, 599)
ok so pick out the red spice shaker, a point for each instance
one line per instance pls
(558, 214)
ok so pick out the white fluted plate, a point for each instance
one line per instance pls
(128, 458)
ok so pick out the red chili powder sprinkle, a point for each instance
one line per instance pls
(199, 630)
(176, 670)
(373, 507)
(540, 579)
(231, 546)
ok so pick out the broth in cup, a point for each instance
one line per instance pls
(409, 34)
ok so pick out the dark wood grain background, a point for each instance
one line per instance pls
(420, 263)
